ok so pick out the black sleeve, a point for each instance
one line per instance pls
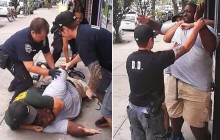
(165, 58)
(87, 52)
(46, 48)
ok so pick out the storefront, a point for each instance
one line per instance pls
(97, 11)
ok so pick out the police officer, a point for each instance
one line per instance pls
(94, 46)
(21, 48)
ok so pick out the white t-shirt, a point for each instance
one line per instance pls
(62, 89)
(194, 67)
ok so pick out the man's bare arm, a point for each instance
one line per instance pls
(78, 130)
(31, 127)
(146, 20)
(190, 41)
(58, 106)
(65, 49)
(208, 39)
(49, 58)
(96, 75)
(169, 34)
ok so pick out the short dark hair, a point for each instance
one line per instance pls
(191, 4)
(79, 9)
(39, 24)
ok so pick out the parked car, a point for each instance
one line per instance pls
(129, 22)
(4, 5)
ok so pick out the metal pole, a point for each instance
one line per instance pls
(216, 112)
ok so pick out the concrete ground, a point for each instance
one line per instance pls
(121, 90)
(89, 113)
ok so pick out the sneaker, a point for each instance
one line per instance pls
(74, 74)
(175, 137)
(102, 122)
(11, 88)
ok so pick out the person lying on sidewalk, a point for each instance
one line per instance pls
(145, 73)
(20, 111)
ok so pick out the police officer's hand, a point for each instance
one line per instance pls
(54, 72)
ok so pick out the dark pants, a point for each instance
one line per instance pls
(58, 48)
(146, 128)
(22, 78)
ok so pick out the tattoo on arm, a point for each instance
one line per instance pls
(179, 51)
(96, 75)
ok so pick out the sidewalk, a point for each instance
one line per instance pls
(88, 115)
(121, 90)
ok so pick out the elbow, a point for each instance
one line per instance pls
(166, 39)
(58, 104)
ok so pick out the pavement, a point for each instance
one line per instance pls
(121, 89)
(89, 113)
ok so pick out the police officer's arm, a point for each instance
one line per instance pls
(49, 58)
(65, 49)
(190, 41)
(96, 76)
(29, 65)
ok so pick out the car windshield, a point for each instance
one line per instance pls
(3, 3)
(129, 18)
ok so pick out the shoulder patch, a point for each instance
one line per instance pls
(28, 48)
(21, 96)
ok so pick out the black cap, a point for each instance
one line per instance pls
(63, 19)
(174, 18)
(19, 113)
(143, 33)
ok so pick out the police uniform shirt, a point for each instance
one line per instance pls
(145, 72)
(94, 43)
(21, 46)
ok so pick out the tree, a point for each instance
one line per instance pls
(153, 8)
(119, 8)
(175, 7)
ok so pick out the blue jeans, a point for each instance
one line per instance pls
(144, 127)
(104, 82)
(106, 110)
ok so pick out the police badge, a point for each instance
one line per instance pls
(28, 48)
